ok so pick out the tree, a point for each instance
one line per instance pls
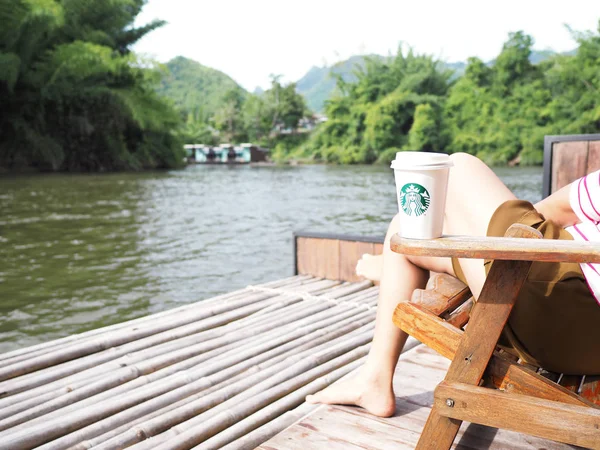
(73, 95)
(285, 106)
(228, 118)
(371, 117)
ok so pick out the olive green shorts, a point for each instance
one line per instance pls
(555, 323)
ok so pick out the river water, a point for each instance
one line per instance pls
(83, 251)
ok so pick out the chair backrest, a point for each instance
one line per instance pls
(567, 158)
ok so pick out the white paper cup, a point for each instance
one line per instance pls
(421, 183)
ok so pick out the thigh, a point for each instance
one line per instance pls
(474, 194)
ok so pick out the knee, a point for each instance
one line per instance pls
(462, 159)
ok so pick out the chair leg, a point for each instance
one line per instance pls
(439, 432)
(489, 317)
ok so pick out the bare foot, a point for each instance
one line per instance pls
(370, 267)
(361, 390)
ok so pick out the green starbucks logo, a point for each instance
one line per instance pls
(414, 199)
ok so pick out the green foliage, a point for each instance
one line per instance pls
(498, 112)
(73, 95)
(377, 111)
(425, 133)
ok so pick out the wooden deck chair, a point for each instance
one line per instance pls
(484, 385)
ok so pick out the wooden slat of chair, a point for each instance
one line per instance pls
(501, 372)
(571, 424)
(444, 292)
(441, 429)
(499, 248)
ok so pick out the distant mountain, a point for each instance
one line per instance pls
(193, 86)
(318, 85)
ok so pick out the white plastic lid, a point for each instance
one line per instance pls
(421, 161)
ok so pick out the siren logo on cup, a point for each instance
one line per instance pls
(414, 199)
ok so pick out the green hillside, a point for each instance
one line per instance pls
(194, 87)
(318, 84)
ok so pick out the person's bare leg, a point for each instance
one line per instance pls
(372, 388)
(474, 193)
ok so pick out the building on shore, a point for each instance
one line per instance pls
(225, 153)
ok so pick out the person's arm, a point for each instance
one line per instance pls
(575, 203)
(557, 208)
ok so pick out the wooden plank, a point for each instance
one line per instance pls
(427, 328)
(359, 429)
(489, 316)
(500, 248)
(318, 257)
(350, 253)
(591, 389)
(302, 255)
(570, 424)
(513, 377)
(569, 162)
(377, 249)
(593, 162)
(444, 292)
(461, 315)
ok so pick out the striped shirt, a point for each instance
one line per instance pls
(584, 198)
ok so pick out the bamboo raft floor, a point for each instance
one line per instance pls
(419, 371)
(226, 372)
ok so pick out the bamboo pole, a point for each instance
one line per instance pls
(340, 292)
(305, 283)
(264, 360)
(67, 400)
(309, 341)
(129, 359)
(26, 410)
(373, 290)
(92, 361)
(204, 409)
(82, 375)
(76, 365)
(116, 338)
(262, 434)
(7, 387)
(275, 409)
(197, 430)
(50, 429)
(257, 348)
(17, 355)
(26, 352)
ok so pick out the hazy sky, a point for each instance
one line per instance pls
(251, 39)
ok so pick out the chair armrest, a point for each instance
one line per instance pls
(506, 248)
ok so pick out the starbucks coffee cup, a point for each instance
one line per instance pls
(421, 182)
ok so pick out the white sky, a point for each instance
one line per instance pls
(251, 39)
